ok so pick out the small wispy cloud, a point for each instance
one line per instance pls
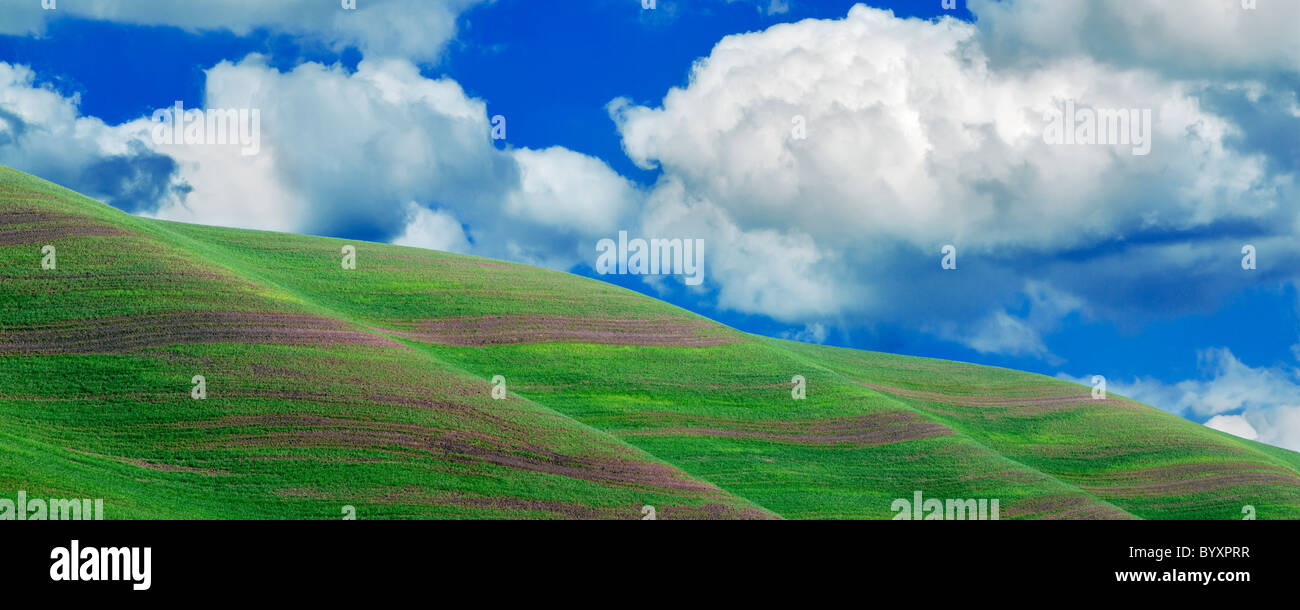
(1258, 403)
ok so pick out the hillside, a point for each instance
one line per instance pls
(370, 387)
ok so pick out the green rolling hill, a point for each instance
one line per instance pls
(371, 388)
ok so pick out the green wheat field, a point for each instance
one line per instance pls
(371, 388)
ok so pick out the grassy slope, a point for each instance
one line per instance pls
(298, 430)
(288, 430)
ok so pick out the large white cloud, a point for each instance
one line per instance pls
(376, 151)
(415, 29)
(913, 140)
(909, 134)
(347, 150)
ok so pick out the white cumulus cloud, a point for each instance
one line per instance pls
(854, 148)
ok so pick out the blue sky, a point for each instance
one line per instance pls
(1072, 261)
